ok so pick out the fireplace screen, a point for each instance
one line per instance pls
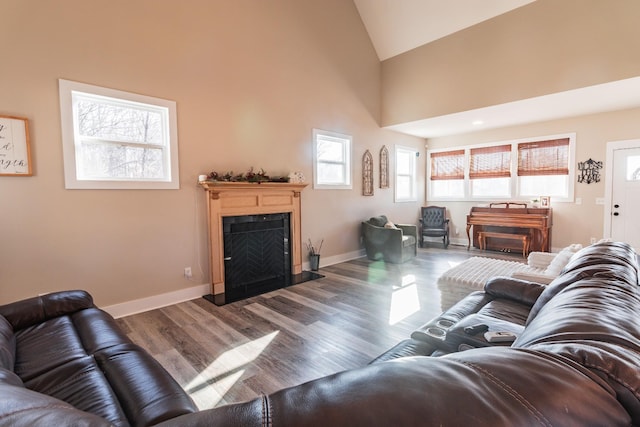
(256, 254)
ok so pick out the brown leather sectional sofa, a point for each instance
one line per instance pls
(575, 362)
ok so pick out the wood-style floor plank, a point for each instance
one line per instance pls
(235, 352)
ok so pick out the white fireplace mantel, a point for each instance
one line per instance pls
(248, 198)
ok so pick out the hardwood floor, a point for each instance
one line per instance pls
(259, 345)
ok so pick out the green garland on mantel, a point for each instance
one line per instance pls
(250, 176)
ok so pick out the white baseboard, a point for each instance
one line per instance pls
(326, 261)
(157, 301)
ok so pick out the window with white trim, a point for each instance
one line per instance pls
(405, 188)
(117, 140)
(332, 160)
(522, 169)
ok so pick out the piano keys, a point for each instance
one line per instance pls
(537, 222)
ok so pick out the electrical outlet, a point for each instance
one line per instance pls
(593, 240)
(187, 273)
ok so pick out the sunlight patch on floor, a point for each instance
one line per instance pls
(404, 300)
(226, 370)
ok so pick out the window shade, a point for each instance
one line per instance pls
(447, 165)
(490, 162)
(544, 158)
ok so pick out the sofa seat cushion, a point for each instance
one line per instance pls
(408, 240)
(147, 393)
(21, 407)
(82, 384)
(86, 360)
(45, 346)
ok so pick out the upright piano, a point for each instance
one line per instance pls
(536, 222)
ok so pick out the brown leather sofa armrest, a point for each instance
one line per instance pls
(522, 291)
(31, 311)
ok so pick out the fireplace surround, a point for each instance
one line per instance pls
(266, 202)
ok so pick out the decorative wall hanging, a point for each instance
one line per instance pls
(384, 167)
(367, 174)
(15, 151)
(589, 171)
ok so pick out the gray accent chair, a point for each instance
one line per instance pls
(396, 245)
(434, 223)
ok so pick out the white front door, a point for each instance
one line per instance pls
(623, 200)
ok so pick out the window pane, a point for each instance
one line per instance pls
(109, 120)
(491, 187)
(403, 187)
(544, 157)
(447, 165)
(111, 161)
(490, 162)
(404, 162)
(447, 188)
(330, 173)
(633, 168)
(330, 151)
(544, 185)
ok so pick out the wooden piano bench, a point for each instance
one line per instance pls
(524, 238)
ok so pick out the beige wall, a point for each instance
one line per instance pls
(251, 79)
(572, 223)
(545, 47)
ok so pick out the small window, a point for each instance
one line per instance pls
(332, 160)
(447, 174)
(405, 174)
(490, 171)
(543, 168)
(117, 140)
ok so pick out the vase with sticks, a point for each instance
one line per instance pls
(314, 255)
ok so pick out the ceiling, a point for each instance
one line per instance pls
(397, 26)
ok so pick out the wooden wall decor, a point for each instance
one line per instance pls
(384, 167)
(367, 174)
(15, 151)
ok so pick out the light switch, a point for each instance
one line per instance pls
(578, 200)
(599, 200)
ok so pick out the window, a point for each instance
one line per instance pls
(490, 171)
(543, 168)
(405, 174)
(332, 160)
(117, 140)
(523, 169)
(447, 174)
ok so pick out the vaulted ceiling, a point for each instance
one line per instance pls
(397, 26)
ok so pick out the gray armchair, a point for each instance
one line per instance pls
(395, 245)
(434, 223)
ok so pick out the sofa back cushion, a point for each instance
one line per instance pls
(7, 345)
(378, 221)
(601, 258)
(24, 313)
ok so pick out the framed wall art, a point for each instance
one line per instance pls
(15, 151)
(384, 167)
(367, 174)
(544, 201)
